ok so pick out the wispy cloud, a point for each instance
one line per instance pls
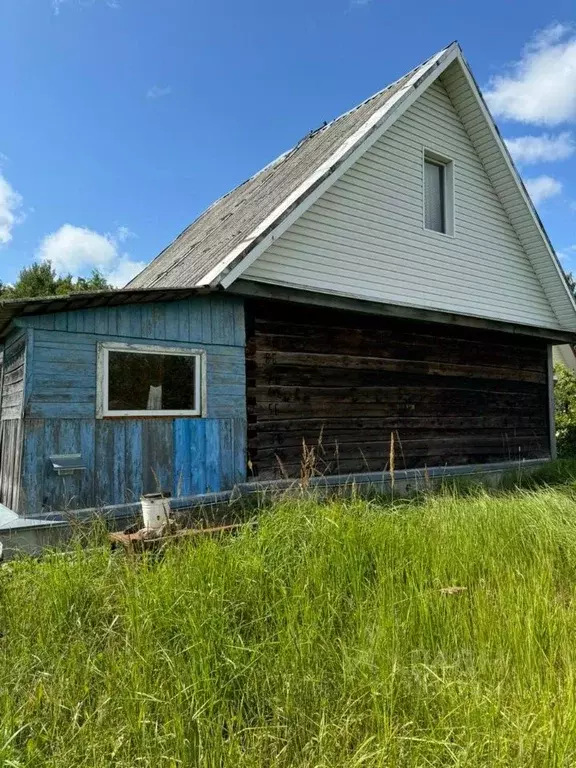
(541, 188)
(123, 234)
(359, 3)
(57, 5)
(527, 150)
(567, 254)
(78, 250)
(158, 92)
(540, 87)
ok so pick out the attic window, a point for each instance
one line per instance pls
(438, 194)
(140, 380)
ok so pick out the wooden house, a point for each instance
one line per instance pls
(388, 275)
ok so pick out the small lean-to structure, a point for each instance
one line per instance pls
(389, 276)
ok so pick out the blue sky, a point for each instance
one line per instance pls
(123, 119)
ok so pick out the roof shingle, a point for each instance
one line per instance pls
(231, 219)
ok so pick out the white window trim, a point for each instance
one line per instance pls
(104, 348)
(449, 173)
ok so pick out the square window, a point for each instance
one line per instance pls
(149, 381)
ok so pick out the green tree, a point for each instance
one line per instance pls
(40, 279)
(565, 398)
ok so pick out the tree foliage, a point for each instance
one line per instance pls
(41, 279)
(571, 281)
(565, 397)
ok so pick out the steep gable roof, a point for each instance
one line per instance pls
(237, 221)
(222, 243)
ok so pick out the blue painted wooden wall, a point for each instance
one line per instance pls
(128, 457)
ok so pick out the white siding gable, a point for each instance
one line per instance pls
(364, 237)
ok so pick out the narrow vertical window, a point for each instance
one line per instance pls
(435, 195)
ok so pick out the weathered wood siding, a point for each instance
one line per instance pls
(13, 372)
(12, 402)
(10, 461)
(365, 236)
(128, 457)
(342, 382)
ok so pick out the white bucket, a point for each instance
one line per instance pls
(155, 510)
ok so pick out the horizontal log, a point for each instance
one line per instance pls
(287, 318)
(404, 447)
(366, 462)
(507, 420)
(330, 440)
(452, 394)
(386, 388)
(398, 404)
(268, 361)
(349, 466)
(406, 389)
(387, 345)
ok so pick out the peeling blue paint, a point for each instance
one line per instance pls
(128, 457)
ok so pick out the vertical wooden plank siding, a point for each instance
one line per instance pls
(182, 458)
(128, 457)
(87, 479)
(343, 382)
(33, 468)
(198, 450)
(104, 460)
(157, 455)
(10, 466)
(213, 459)
(134, 476)
(226, 467)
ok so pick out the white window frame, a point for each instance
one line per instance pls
(104, 349)
(430, 155)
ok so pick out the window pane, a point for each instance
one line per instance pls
(151, 382)
(434, 196)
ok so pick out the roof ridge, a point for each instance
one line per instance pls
(228, 221)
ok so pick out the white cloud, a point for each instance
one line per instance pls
(158, 92)
(75, 249)
(541, 87)
(10, 210)
(539, 149)
(541, 188)
(78, 250)
(124, 271)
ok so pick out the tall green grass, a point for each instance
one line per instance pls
(326, 637)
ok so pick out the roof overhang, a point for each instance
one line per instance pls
(12, 309)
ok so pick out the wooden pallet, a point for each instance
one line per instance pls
(142, 540)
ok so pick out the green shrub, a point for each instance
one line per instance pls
(565, 395)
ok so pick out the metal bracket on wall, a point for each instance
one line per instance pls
(67, 464)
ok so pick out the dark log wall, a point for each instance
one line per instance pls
(342, 382)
